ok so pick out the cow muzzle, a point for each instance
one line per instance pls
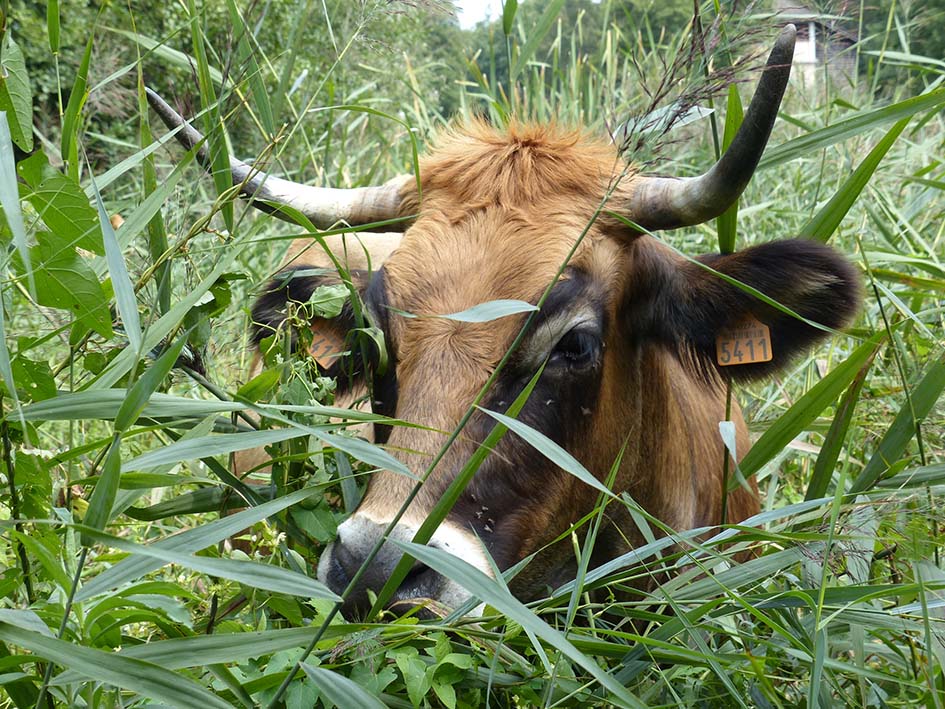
(357, 537)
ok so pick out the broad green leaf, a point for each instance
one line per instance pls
(64, 280)
(188, 542)
(250, 573)
(111, 668)
(915, 477)
(327, 301)
(535, 35)
(826, 221)
(904, 427)
(16, 97)
(121, 282)
(807, 408)
(551, 450)
(26, 620)
(340, 690)
(70, 122)
(65, 209)
(489, 591)
(727, 221)
(850, 127)
(207, 446)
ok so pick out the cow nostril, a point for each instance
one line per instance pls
(421, 582)
(349, 563)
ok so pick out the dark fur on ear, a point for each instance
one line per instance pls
(809, 278)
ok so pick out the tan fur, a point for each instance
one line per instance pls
(499, 213)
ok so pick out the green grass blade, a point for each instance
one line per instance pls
(833, 441)
(249, 573)
(807, 408)
(121, 282)
(111, 668)
(904, 427)
(726, 223)
(188, 542)
(340, 690)
(551, 450)
(826, 221)
(535, 35)
(106, 489)
(141, 391)
(207, 446)
(70, 122)
(491, 592)
(10, 201)
(850, 127)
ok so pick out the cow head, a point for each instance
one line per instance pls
(626, 334)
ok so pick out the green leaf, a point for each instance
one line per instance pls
(52, 24)
(365, 452)
(833, 441)
(826, 221)
(535, 36)
(807, 408)
(904, 427)
(64, 280)
(250, 67)
(106, 489)
(16, 97)
(727, 221)
(508, 16)
(104, 405)
(850, 127)
(327, 301)
(483, 312)
(551, 450)
(10, 202)
(342, 691)
(249, 573)
(70, 122)
(142, 390)
(188, 542)
(111, 668)
(489, 591)
(207, 446)
(121, 281)
(65, 209)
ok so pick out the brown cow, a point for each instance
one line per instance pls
(627, 337)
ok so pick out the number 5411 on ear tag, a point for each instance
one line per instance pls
(746, 343)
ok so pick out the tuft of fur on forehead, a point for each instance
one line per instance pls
(476, 165)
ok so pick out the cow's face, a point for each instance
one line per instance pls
(625, 338)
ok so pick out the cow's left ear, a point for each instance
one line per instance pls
(804, 276)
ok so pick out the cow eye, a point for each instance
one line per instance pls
(577, 349)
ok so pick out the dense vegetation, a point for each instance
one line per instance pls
(125, 287)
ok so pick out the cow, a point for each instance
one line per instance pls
(625, 339)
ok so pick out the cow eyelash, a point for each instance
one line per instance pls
(577, 349)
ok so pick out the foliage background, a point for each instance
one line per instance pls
(117, 585)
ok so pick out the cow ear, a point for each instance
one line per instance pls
(804, 276)
(283, 310)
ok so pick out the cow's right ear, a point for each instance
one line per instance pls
(283, 314)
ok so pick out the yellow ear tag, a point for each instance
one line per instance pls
(326, 346)
(746, 343)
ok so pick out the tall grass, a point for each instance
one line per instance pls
(124, 390)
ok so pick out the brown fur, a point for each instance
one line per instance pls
(499, 213)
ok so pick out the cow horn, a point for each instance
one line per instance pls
(669, 203)
(324, 206)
